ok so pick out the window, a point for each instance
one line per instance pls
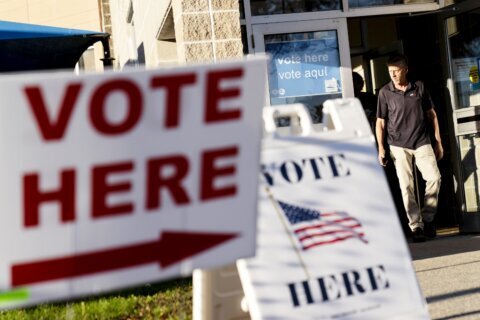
(269, 7)
(464, 43)
(131, 39)
(373, 3)
(243, 27)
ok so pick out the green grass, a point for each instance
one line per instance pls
(169, 300)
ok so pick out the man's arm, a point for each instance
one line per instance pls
(380, 133)
(432, 116)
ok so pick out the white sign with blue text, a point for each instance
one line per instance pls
(303, 67)
(329, 242)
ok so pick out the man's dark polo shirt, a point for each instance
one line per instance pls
(404, 114)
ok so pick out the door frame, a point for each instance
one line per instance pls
(469, 221)
(340, 25)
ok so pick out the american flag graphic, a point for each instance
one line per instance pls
(313, 228)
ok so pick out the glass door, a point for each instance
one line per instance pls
(462, 34)
(464, 52)
(309, 63)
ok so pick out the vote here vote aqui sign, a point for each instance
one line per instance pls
(117, 179)
(304, 67)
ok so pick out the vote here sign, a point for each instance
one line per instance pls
(117, 179)
(304, 67)
(329, 242)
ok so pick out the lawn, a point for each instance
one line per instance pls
(169, 300)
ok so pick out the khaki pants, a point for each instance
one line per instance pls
(427, 164)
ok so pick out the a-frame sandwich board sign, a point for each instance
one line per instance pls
(329, 241)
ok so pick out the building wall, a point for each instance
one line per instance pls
(134, 39)
(156, 33)
(59, 13)
(207, 30)
(72, 14)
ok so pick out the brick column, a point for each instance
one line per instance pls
(207, 30)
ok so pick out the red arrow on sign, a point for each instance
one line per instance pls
(171, 248)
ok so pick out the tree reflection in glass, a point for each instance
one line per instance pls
(374, 3)
(269, 7)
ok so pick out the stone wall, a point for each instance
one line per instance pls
(207, 30)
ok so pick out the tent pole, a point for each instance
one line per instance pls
(107, 59)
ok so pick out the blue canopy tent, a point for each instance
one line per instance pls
(35, 47)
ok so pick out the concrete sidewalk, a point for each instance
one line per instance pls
(448, 270)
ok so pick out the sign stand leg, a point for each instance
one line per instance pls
(218, 294)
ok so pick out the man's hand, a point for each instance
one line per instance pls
(436, 129)
(381, 157)
(438, 151)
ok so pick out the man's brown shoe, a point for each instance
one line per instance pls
(418, 235)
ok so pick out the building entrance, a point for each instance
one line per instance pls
(434, 40)
(372, 41)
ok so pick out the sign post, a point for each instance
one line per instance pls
(119, 179)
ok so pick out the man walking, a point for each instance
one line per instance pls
(403, 112)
